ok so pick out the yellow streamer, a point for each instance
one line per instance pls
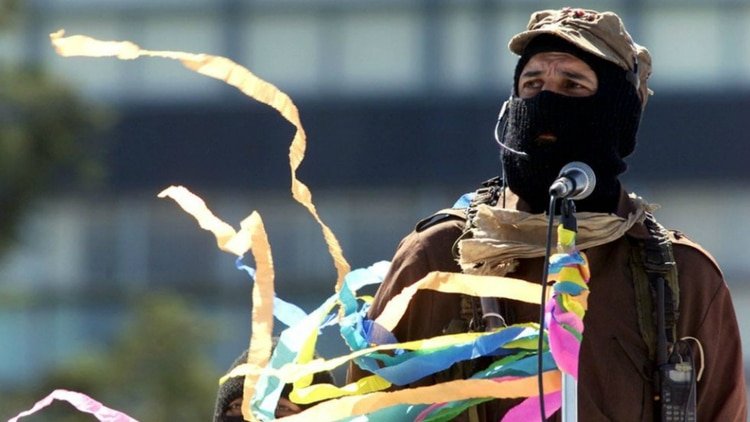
(237, 76)
(585, 269)
(226, 238)
(260, 347)
(565, 236)
(293, 371)
(576, 304)
(472, 285)
(454, 390)
(572, 274)
(252, 236)
(320, 392)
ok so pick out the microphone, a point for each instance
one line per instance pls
(575, 181)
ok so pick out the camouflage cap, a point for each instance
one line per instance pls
(600, 33)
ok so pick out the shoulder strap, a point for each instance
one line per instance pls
(653, 266)
(487, 313)
(439, 217)
(470, 313)
(466, 207)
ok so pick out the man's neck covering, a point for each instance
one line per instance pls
(501, 236)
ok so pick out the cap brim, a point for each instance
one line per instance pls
(519, 42)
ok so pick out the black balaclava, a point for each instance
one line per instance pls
(598, 130)
(228, 392)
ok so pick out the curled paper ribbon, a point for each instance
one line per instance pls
(81, 402)
(228, 240)
(346, 407)
(472, 285)
(226, 70)
(252, 235)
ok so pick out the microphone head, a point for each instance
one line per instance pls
(583, 177)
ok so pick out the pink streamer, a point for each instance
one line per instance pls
(81, 402)
(427, 411)
(528, 410)
(568, 318)
(563, 344)
(565, 348)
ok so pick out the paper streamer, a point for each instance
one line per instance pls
(252, 235)
(529, 409)
(288, 369)
(292, 371)
(473, 285)
(81, 402)
(287, 313)
(261, 344)
(227, 238)
(512, 367)
(450, 391)
(436, 350)
(237, 76)
(570, 272)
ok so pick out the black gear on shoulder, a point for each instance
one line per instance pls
(439, 217)
(488, 193)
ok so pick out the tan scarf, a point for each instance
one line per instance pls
(501, 236)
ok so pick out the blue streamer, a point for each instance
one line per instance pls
(268, 388)
(410, 366)
(286, 312)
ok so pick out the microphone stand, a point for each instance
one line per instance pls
(569, 398)
(569, 384)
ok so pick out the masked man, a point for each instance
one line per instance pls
(579, 89)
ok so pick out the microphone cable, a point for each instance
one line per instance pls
(542, 304)
(500, 137)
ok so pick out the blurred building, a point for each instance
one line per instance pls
(398, 99)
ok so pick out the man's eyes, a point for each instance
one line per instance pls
(565, 86)
(534, 83)
(574, 85)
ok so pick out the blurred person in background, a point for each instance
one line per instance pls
(579, 89)
(228, 407)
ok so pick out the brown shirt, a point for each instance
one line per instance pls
(615, 369)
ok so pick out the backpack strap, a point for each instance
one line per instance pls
(486, 313)
(655, 276)
(470, 318)
(440, 216)
(472, 312)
